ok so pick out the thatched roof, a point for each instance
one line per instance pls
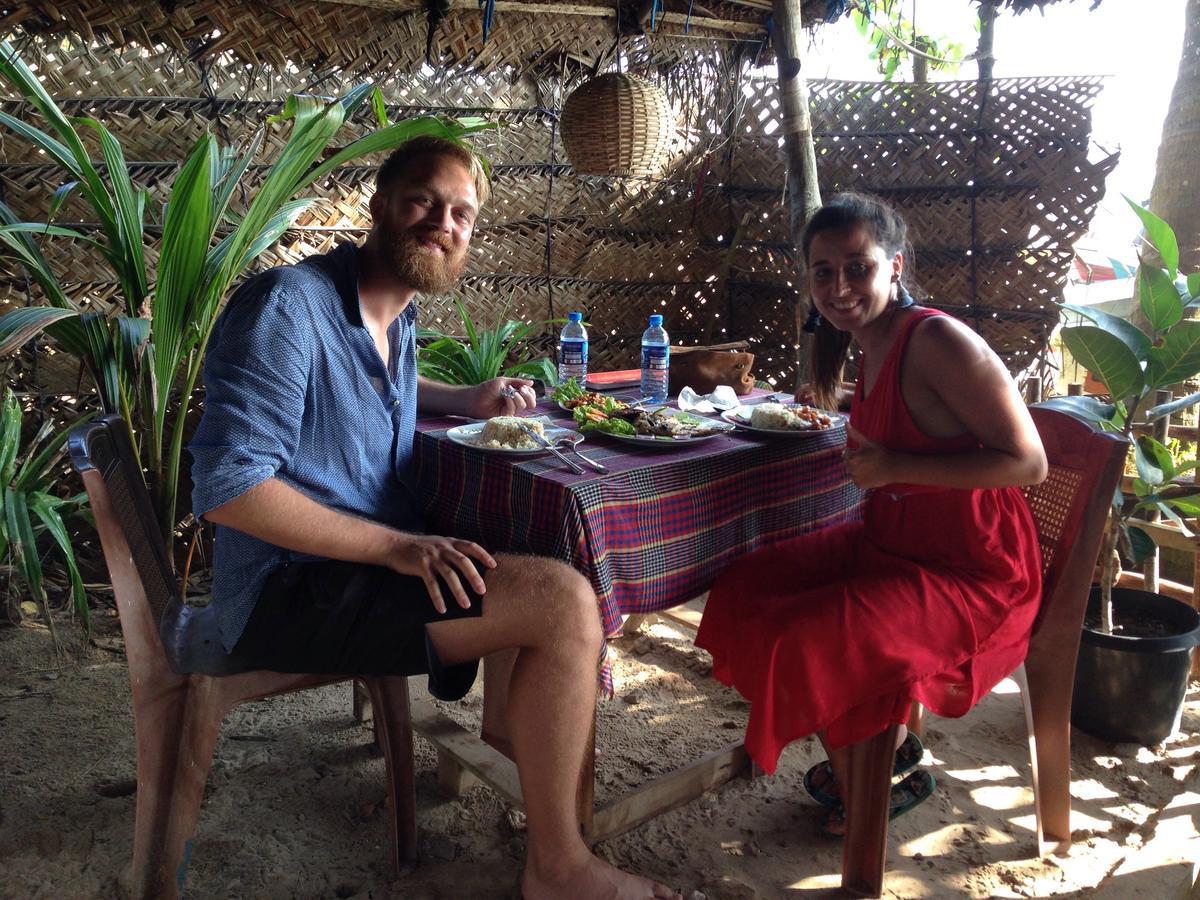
(356, 36)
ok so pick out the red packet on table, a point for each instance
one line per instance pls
(604, 381)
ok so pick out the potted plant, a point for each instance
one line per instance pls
(485, 354)
(1134, 658)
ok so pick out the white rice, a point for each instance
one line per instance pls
(792, 418)
(504, 432)
(771, 415)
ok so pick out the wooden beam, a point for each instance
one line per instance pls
(467, 750)
(669, 792)
(749, 29)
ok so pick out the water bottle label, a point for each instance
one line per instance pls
(573, 353)
(655, 358)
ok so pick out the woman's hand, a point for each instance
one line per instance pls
(501, 397)
(868, 464)
(804, 394)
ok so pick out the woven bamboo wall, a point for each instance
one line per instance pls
(997, 184)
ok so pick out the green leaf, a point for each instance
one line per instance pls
(1090, 409)
(10, 436)
(43, 508)
(28, 322)
(1108, 358)
(1188, 506)
(1159, 299)
(131, 246)
(1172, 406)
(1174, 517)
(1133, 337)
(379, 108)
(1177, 359)
(1154, 463)
(59, 198)
(1193, 286)
(1160, 235)
(1141, 545)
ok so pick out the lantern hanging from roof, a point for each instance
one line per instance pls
(617, 124)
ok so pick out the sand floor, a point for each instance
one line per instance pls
(294, 801)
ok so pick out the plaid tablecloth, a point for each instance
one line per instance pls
(652, 533)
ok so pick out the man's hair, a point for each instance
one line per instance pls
(402, 157)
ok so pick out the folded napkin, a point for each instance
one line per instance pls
(722, 397)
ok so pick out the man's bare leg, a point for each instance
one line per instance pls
(497, 675)
(547, 611)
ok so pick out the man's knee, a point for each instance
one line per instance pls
(568, 601)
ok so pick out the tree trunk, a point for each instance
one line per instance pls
(987, 33)
(1175, 195)
(804, 194)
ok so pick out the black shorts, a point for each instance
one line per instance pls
(333, 617)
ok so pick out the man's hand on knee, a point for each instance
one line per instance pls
(431, 556)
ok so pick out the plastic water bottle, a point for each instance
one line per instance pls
(656, 361)
(573, 349)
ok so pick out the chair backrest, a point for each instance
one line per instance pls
(103, 446)
(137, 559)
(1071, 508)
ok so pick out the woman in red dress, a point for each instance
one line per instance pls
(932, 595)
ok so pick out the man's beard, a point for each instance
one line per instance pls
(425, 270)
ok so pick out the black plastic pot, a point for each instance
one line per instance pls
(1131, 689)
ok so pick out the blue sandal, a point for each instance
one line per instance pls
(821, 783)
(907, 793)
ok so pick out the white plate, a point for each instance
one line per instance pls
(468, 436)
(653, 440)
(741, 418)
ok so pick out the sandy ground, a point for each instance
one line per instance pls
(293, 807)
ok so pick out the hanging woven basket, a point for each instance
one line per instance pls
(617, 124)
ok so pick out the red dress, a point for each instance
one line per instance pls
(930, 597)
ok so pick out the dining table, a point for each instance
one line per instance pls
(650, 534)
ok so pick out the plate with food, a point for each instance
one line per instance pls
(570, 396)
(790, 419)
(504, 434)
(662, 427)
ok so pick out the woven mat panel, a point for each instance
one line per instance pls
(349, 38)
(619, 249)
(765, 314)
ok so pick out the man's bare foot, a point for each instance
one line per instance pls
(594, 880)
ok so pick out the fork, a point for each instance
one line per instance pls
(566, 441)
(542, 442)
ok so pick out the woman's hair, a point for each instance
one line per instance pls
(831, 347)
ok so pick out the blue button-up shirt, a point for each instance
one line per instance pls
(296, 389)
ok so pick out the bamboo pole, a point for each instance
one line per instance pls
(804, 193)
(1162, 430)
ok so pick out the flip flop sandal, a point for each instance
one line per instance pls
(821, 783)
(906, 794)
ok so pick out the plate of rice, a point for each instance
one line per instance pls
(503, 434)
(792, 419)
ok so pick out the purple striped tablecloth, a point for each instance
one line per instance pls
(652, 533)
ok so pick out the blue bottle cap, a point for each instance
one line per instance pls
(656, 321)
(574, 317)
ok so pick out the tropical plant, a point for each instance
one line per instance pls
(1132, 363)
(30, 509)
(485, 355)
(146, 360)
(893, 38)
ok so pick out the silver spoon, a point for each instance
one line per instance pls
(567, 442)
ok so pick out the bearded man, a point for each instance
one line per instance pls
(322, 564)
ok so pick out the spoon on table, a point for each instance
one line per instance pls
(567, 442)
